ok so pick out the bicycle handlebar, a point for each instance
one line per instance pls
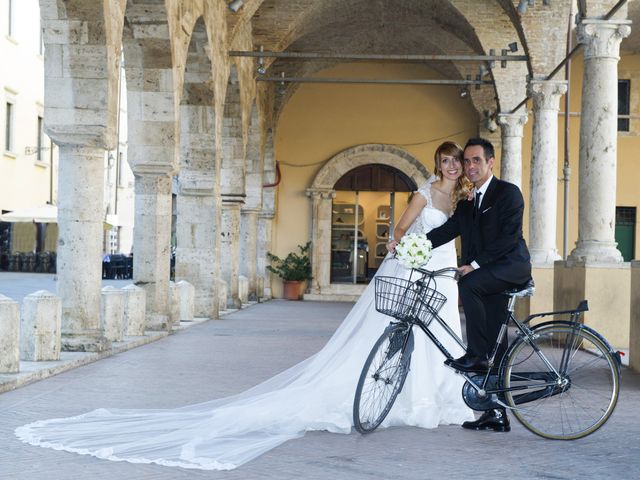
(443, 272)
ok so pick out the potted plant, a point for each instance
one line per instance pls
(293, 269)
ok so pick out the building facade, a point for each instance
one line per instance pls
(259, 125)
(29, 161)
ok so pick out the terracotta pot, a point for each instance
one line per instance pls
(291, 289)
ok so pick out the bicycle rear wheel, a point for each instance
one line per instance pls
(575, 401)
(382, 377)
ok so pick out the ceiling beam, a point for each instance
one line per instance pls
(378, 57)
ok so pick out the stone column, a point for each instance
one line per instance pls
(198, 207)
(152, 242)
(269, 177)
(230, 247)
(544, 170)
(249, 239)
(79, 266)
(265, 229)
(512, 126)
(598, 140)
(321, 202)
(197, 243)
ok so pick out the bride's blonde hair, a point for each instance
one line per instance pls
(463, 185)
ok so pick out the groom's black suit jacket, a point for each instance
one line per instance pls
(494, 237)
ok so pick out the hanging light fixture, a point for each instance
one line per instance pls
(235, 5)
(262, 69)
(522, 6)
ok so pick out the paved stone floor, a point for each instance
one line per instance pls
(17, 285)
(219, 358)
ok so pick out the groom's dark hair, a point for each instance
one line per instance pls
(487, 146)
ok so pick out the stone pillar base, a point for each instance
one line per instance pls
(84, 342)
(542, 300)
(9, 335)
(595, 251)
(607, 287)
(157, 322)
(634, 330)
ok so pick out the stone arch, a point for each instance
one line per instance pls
(375, 153)
(321, 193)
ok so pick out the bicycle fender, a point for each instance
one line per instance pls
(614, 353)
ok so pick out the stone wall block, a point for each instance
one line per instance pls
(9, 335)
(222, 294)
(187, 296)
(135, 303)
(112, 313)
(243, 289)
(260, 287)
(40, 327)
(609, 308)
(174, 305)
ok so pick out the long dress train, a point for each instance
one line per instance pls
(316, 394)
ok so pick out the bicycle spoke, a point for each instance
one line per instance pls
(381, 379)
(574, 404)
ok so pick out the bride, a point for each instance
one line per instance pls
(316, 394)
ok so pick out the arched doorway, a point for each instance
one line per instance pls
(362, 217)
(356, 164)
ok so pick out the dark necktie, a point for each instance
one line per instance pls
(476, 205)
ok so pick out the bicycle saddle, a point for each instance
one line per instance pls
(524, 290)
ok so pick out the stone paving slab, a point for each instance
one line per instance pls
(218, 358)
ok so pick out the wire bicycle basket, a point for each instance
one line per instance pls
(408, 301)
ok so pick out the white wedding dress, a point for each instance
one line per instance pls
(316, 394)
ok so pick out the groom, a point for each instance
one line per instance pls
(494, 258)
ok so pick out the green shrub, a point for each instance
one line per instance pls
(293, 267)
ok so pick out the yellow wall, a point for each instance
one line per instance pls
(321, 120)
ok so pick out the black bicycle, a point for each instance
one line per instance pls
(560, 378)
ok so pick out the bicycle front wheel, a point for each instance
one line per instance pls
(382, 377)
(567, 387)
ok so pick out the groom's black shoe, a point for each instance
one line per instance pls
(495, 419)
(468, 363)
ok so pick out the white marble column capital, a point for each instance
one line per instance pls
(601, 38)
(319, 193)
(512, 124)
(546, 93)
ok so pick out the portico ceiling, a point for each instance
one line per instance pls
(364, 26)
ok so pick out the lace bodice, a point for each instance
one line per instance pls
(430, 217)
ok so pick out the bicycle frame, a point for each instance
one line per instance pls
(523, 330)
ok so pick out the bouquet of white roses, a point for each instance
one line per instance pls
(414, 250)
